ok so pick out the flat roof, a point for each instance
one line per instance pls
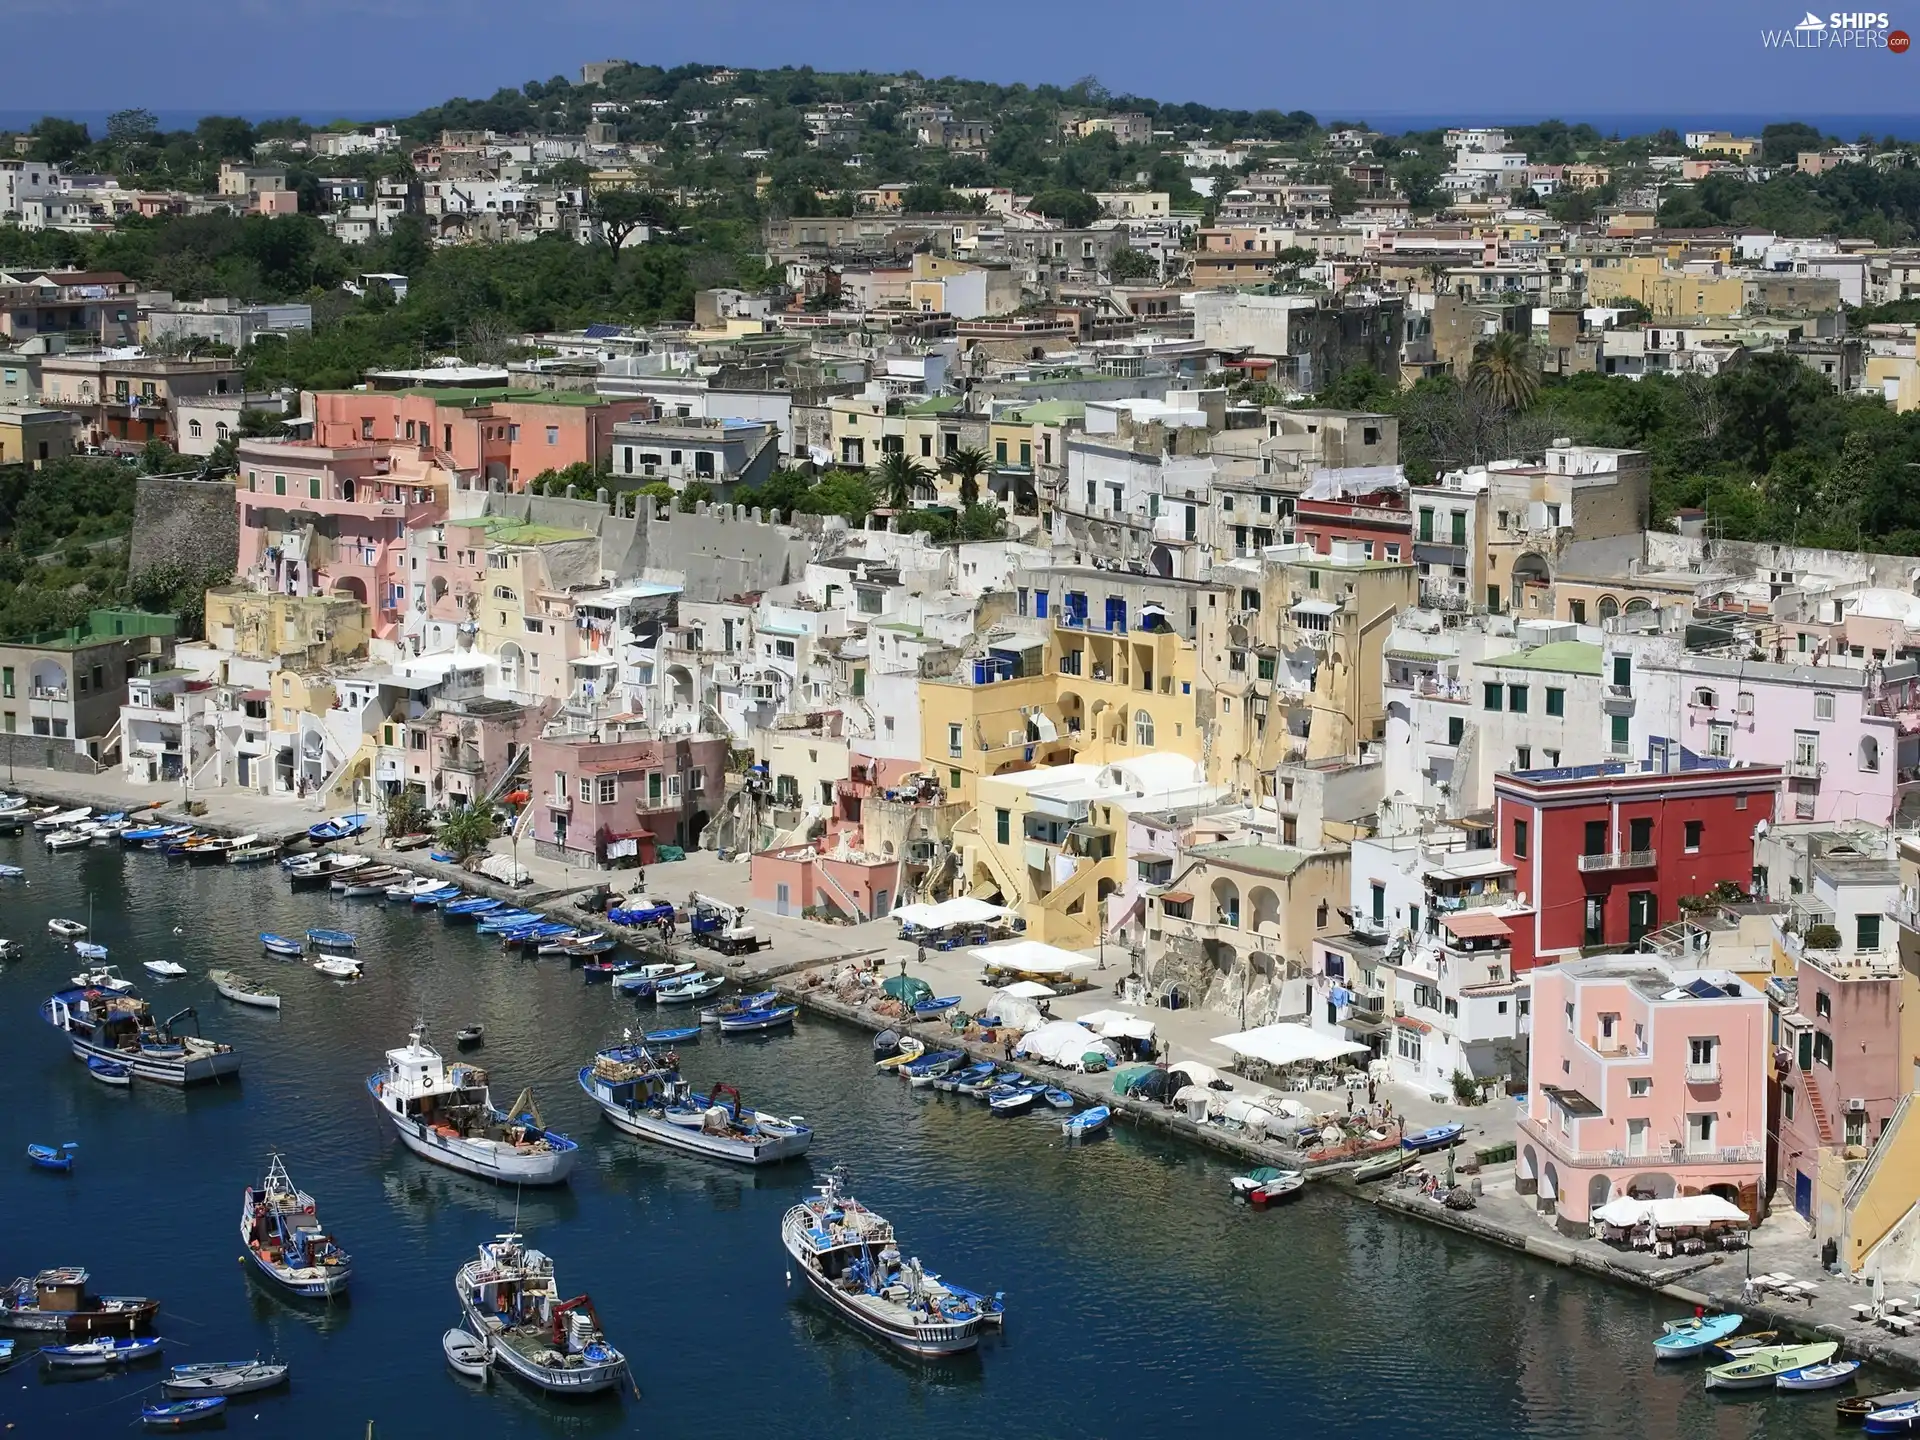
(1572, 657)
(1266, 859)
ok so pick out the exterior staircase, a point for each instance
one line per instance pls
(846, 901)
(1822, 1121)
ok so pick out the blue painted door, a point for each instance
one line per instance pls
(1803, 1194)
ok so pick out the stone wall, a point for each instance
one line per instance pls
(184, 521)
(40, 752)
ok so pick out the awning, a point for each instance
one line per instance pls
(1314, 607)
(1572, 1101)
(1030, 957)
(1475, 924)
(1677, 1210)
(1176, 897)
(1407, 1022)
(1286, 1045)
(256, 694)
(1045, 728)
(961, 911)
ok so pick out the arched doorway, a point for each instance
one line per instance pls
(513, 664)
(1599, 1191)
(1651, 1185)
(1526, 1171)
(1549, 1196)
(1226, 903)
(352, 586)
(695, 827)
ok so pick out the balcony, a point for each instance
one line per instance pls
(48, 692)
(1617, 699)
(1618, 860)
(467, 762)
(1365, 1010)
(562, 803)
(1804, 769)
(1673, 1152)
(1904, 909)
(1703, 1072)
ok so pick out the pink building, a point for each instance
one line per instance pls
(1644, 1080)
(596, 802)
(333, 519)
(800, 878)
(486, 435)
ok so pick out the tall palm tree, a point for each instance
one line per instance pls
(966, 466)
(1503, 369)
(901, 479)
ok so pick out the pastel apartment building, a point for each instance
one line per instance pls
(603, 801)
(1645, 1080)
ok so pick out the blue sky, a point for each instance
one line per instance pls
(1365, 58)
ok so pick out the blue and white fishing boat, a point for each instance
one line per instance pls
(1681, 1339)
(281, 1230)
(1902, 1419)
(683, 988)
(439, 898)
(988, 1083)
(954, 1079)
(111, 1072)
(510, 1300)
(643, 1094)
(501, 921)
(53, 1157)
(532, 937)
(626, 976)
(1436, 1137)
(88, 950)
(223, 1377)
(938, 1005)
(929, 1066)
(122, 1028)
(1015, 1099)
(1828, 1376)
(11, 872)
(139, 835)
(446, 1114)
(850, 1257)
(409, 887)
(335, 940)
(340, 827)
(282, 945)
(178, 1414)
(713, 1014)
(1088, 1122)
(1059, 1099)
(584, 946)
(102, 1353)
(769, 1017)
(471, 905)
(675, 1035)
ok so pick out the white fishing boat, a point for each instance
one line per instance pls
(644, 1095)
(509, 1297)
(103, 977)
(165, 969)
(63, 819)
(850, 1257)
(242, 991)
(122, 1028)
(66, 929)
(281, 1230)
(338, 967)
(446, 1114)
(68, 839)
(223, 1377)
(467, 1356)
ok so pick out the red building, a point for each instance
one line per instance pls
(1365, 504)
(1606, 852)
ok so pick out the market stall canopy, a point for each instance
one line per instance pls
(1286, 1045)
(1196, 1073)
(1028, 990)
(1119, 1022)
(963, 910)
(1679, 1210)
(1063, 1042)
(1030, 957)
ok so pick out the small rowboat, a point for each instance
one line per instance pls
(1817, 1377)
(1436, 1138)
(102, 1353)
(330, 939)
(910, 1049)
(338, 967)
(282, 945)
(1679, 1339)
(1087, 1122)
(174, 1414)
(241, 990)
(223, 1377)
(939, 1005)
(1378, 1167)
(110, 1072)
(1901, 1419)
(470, 1036)
(1059, 1099)
(48, 1157)
(468, 1356)
(1856, 1408)
(1738, 1347)
(679, 1035)
(1763, 1367)
(1289, 1186)
(67, 929)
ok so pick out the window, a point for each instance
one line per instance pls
(1003, 826)
(1569, 1017)
(1407, 1044)
(1378, 894)
(1743, 703)
(1705, 698)
(1700, 1131)
(1142, 728)
(280, 485)
(1519, 839)
(1869, 754)
(1556, 700)
(1517, 699)
(1426, 524)
(1595, 839)
(1823, 1049)
(1720, 739)
(954, 743)
(1806, 749)
(1866, 932)
(1523, 757)
(1640, 834)
(1492, 693)
(6, 682)
(1639, 1087)
(1456, 729)
(1822, 705)
(1623, 672)
(1595, 931)
(1637, 1136)
(1856, 1130)
(553, 434)
(1692, 832)
(1786, 1102)
(608, 790)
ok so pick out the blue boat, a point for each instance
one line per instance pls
(767, 1017)
(110, 1072)
(11, 872)
(100, 1353)
(1087, 1122)
(617, 970)
(340, 827)
(1680, 1339)
(6, 1352)
(472, 905)
(678, 1036)
(1059, 1099)
(1894, 1420)
(437, 899)
(330, 939)
(1014, 1099)
(48, 1157)
(628, 980)
(739, 1005)
(282, 945)
(1437, 1137)
(87, 950)
(641, 914)
(144, 833)
(501, 921)
(973, 1074)
(173, 1414)
(932, 1065)
(939, 1005)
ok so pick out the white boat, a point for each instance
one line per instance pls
(645, 1096)
(468, 1356)
(104, 977)
(165, 969)
(63, 819)
(407, 889)
(68, 839)
(223, 1377)
(338, 967)
(849, 1256)
(121, 1028)
(509, 1296)
(241, 990)
(281, 1230)
(446, 1114)
(67, 929)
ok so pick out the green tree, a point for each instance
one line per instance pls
(224, 137)
(840, 492)
(901, 478)
(465, 831)
(1073, 208)
(618, 213)
(1504, 371)
(1850, 484)
(128, 128)
(157, 457)
(406, 812)
(982, 522)
(1131, 264)
(967, 465)
(57, 141)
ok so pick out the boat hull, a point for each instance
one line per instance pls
(499, 1163)
(133, 1316)
(697, 1142)
(932, 1341)
(163, 1070)
(554, 1379)
(308, 1284)
(243, 1381)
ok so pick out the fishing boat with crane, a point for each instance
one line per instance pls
(281, 1230)
(59, 1300)
(643, 1094)
(445, 1113)
(122, 1028)
(511, 1301)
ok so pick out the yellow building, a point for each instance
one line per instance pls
(300, 631)
(297, 707)
(523, 606)
(1646, 280)
(32, 436)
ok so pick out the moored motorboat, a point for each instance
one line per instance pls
(446, 1114)
(1679, 1339)
(58, 1300)
(252, 854)
(1901, 1419)
(582, 947)
(178, 1414)
(923, 1070)
(373, 880)
(1762, 1367)
(1059, 1099)
(437, 897)
(510, 1297)
(408, 887)
(103, 977)
(850, 1257)
(101, 1353)
(165, 969)
(110, 1072)
(243, 990)
(338, 967)
(695, 986)
(121, 1027)
(335, 940)
(1016, 1097)
(643, 1094)
(283, 945)
(66, 929)
(1828, 1376)
(766, 1017)
(281, 1230)
(472, 905)
(468, 1356)
(470, 1036)
(1087, 1122)
(223, 1377)
(52, 1157)
(340, 827)
(739, 1004)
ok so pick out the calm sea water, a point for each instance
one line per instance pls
(1143, 1301)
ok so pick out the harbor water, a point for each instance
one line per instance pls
(1142, 1299)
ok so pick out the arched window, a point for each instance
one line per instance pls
(1869, 754)
(504, 592)
(1705, 698)
(1142, 728)
(1609, 607)
(193, 428)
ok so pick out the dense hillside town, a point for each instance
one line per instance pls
(1450, 592)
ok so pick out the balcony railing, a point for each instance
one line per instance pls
(559, 802)
(1804, 769)
(1904, 909)
(1618, 860)
(1674, 1152)
(1703, 1072)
